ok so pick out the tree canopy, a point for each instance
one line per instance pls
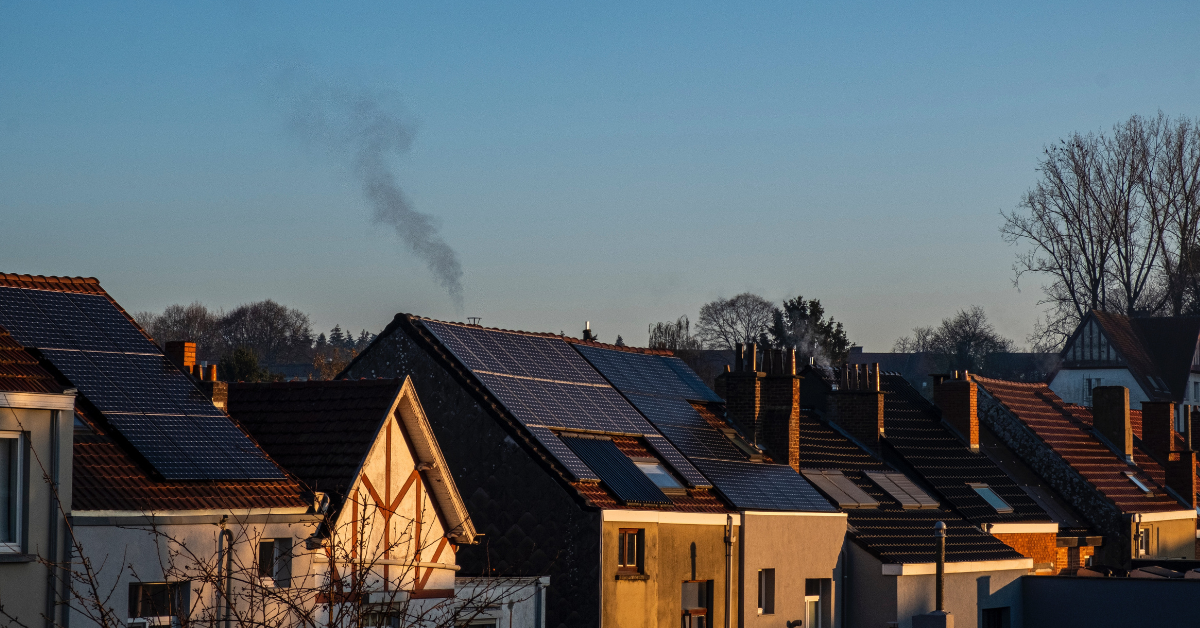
(963, 341)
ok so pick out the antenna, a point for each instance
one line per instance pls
(474, 320)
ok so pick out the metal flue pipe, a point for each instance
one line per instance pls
(939, 530)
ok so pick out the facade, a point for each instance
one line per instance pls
(643, 505)
(1126, 472)
(35, 444)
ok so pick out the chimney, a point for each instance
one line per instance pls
(1110, 418)
(1181, 475)
(779, 409)
(182, 353)
(742, 389)
(1158, 428)
(857, 405)
(218, 392)
(959, 400)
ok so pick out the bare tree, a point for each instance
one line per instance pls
(276, 333)
(674, 336)
(726, 322)
(963, 341)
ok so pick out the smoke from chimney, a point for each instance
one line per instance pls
(366, 127)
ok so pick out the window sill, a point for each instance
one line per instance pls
(632, 576)
(6, 557)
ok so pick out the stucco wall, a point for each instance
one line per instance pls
(24, 584)
(532, 525)
(173, 553)
(798, 548)
(1172, 539)
(656, 601)
(967, 594)
(870, 595)
(1069, 383)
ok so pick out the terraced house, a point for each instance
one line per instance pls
(613, 471)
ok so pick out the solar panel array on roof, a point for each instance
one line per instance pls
(559, 450)
(753, 486)
(544, 383)
(903, 490)
(617, 471)
(145, 397)
(839, 488)
(650, 374)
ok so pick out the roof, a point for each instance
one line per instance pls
(319, 431)
(82, 336)
(20, 371)
(322, 432)
(1067, 430)
(914, 429)
(890, 532)
(106, 477)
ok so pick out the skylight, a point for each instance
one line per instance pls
(659, 475)
(1136, 482)
(990, 496)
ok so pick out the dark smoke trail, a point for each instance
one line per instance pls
(366, 127)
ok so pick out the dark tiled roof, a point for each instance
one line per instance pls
(106, 477)
(319, 431)
(889, 532)
(1066, 429)
(20, 372)
(1153, 347)
(915, 431)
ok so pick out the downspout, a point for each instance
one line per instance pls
(728, 563)
(52, 546)
(225, 550)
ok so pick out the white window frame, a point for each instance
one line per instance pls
(22, 491)
(809, 599)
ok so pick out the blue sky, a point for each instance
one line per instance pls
(616, 162)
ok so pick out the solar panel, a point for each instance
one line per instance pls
(903, 490)
(556, 404)
(515, 354)
(637, 372)
(703, 442)
(563, 453)
(672, 410)
(617, 471)
(751, 486)
(146, 398)
(677, 461)
(689, 377)
(839, 488)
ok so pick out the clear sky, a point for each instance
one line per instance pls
(616, 162)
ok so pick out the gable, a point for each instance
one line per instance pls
(1091, 346)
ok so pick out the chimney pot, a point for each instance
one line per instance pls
(197, 371)
(739, 357)
(212, 373)
(1110, 418)
(752, 349)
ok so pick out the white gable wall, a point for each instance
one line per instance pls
(1070, 384)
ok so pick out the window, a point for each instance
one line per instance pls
(812, 603)
(12, 491)
(659, 475)
(1143, 542)
(995, 618)
(766, 591)
(1088, 385)
(275, 562)
(1136, 482)
(1195, 391)
(631, 550)
(158, 604)
(695, 600)
(990, 496)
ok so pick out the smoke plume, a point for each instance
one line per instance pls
(365, 127)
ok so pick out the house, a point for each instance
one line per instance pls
(1127, 472)
(634, 499)
(1156, 358)
(394, 518)
(35, 445)
(857, 439)
(162, 484)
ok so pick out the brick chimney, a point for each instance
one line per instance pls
(1158, 428)
(217, 391)
(779, 407)
(1181, 475)
(182, 353)
(857, 405)
(741, 387)
(1110, 418)
(958, 399)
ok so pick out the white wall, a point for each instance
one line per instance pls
(1069, 384)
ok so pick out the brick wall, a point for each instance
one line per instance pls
(1042, 547)
(1072, 558)
(743, 400)
(780, 418)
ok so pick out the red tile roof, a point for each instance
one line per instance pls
(20, 372)
(106, 477)
(1066, 429)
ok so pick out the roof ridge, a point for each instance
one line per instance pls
(539, 334)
